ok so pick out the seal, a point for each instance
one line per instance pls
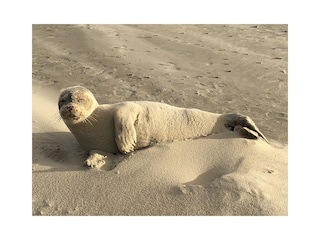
(127, 126)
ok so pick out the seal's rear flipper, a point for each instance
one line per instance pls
(257, 133)
(244, 124)
(246, 132)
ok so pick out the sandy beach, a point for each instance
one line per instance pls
(216, 68)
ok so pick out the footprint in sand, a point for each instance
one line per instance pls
(169, 66)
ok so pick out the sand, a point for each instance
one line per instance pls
(217, 68)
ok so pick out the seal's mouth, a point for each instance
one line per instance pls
(70, 113)
(71, 117)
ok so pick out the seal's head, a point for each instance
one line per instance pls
(76, 104)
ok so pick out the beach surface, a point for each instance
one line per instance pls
(216, 68)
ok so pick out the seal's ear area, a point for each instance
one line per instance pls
(61, 93)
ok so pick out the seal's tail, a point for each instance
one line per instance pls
(236, 121)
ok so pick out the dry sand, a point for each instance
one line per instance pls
(217, 68)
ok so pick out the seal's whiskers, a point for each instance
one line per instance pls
(56, 117)
(90, 119)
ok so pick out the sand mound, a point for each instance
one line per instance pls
(221, 174)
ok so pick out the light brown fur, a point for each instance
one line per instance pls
(127, 126)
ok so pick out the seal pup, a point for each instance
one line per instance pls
(127, 126)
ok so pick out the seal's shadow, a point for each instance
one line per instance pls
(57, 151)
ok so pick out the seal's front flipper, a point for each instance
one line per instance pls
(125, 132)
(95, 160)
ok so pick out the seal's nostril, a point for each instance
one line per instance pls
(70, 108)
